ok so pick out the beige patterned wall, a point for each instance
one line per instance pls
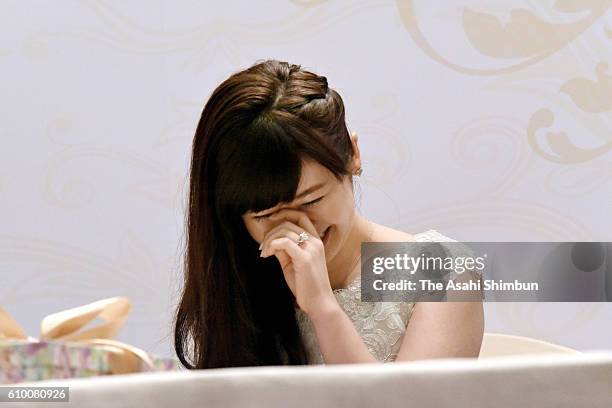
(485, 120)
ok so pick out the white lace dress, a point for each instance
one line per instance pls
(381, 324)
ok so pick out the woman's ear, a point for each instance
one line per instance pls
(356, 154)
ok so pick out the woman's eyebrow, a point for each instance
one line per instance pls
(309, 190)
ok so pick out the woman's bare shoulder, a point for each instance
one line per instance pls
(383, 233)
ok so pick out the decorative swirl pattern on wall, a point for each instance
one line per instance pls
(592, 96)
(562, 150)
(525, 36)
(63, 188)
(221, 38)
(532, 39)
(60, 271)
(496, 214)
(580, 179)
(495, 145)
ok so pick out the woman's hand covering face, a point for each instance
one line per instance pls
(304, 267)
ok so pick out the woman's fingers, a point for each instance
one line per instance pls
(297, 217)
(284, 233)
(295, 221)
(283, 225)
(279, 230)
(288, 245)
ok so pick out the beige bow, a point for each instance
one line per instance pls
(64, 326)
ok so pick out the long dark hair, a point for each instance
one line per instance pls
(256, 128)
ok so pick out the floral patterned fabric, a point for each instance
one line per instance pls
(22, 361)
(381, 325)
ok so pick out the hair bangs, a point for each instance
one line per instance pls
(266, 169)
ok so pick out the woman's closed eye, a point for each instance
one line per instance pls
(309, 204)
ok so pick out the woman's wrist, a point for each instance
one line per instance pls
(324, 310)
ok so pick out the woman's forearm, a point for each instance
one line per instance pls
(339, 341)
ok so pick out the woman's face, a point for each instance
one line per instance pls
(326, 201)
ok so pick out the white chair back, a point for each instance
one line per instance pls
(497, 344)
